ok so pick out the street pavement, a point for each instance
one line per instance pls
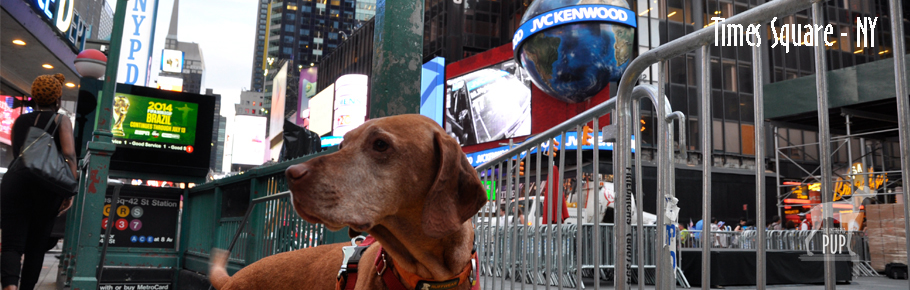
(49, 277)
(859, 283)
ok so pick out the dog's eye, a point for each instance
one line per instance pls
(380, 145)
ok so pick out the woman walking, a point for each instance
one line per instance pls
(27, 211)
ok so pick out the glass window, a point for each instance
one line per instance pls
(333, 35)
(290, 28)
(304, 32)
(287, 50)
(731, 137)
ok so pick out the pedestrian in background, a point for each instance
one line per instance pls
(27, 212)
(775, 224)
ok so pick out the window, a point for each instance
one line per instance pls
(304, 32)
(307, 9)
(292, 7)
(289, 28)
(333, 35)
(287, 50)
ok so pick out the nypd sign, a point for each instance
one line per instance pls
(573, 14)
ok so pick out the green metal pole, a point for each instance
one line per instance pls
(398, 42)
(99, 154)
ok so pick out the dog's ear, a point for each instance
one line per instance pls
(457, 193)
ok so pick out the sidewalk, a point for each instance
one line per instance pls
(48, 278)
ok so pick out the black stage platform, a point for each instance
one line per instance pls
(732, 267)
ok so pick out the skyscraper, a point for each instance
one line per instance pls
(301, 33)
(192, 68)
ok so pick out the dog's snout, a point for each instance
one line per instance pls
(298, 171)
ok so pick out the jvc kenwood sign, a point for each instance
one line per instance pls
(573, 14)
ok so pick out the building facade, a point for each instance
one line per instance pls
(251, 104)
(353, 56)
(193, 66)
(219, 124)
(300, 33)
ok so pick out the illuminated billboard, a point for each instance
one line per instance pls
(432, 87)
(249, 140)
(170, 83)
(321, 111)
(159, 131)
(172, 61)
(279, 93)
(489, 104)
(154, 123)
(350, 103)
(8, 116)
(306, 89)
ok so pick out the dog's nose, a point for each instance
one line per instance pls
(298, 171)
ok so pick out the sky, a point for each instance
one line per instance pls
(225, 31)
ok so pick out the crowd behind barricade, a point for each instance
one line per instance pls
(742, 234)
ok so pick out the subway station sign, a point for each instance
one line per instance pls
(62, 15)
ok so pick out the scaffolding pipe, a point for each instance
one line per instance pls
(758, 114)
(824, 134)
(903, 105)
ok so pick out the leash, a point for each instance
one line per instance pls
(386, 268)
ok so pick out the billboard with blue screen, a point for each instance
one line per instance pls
(432, 89)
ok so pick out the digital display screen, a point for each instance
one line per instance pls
(162, 132)
(489, 104)
(154, 123)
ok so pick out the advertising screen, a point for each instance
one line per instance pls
(161, 131)
(350, 103)
(8, 116)
(432, 86)
(170, 83)
(489, 104)
(279, 93)
(154, 123)
(321, 111)
(249, 140)
(307, 90)
(172, 61)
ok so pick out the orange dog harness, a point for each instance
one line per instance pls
(347, 276)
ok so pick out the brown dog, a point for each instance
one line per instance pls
(402, 180)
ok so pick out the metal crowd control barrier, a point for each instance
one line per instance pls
(502, 168)
(553, 245)
(785, 240)
(250, 214)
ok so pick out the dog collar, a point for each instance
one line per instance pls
(385, 269)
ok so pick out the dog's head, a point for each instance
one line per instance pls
(395, 167)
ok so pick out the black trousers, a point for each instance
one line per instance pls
(26, 216)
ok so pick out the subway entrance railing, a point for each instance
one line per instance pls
(249, 214)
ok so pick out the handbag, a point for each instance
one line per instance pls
(40, 158)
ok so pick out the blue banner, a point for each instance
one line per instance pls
(478, 158)
(573, 14)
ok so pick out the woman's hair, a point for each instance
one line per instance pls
(47, 89)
